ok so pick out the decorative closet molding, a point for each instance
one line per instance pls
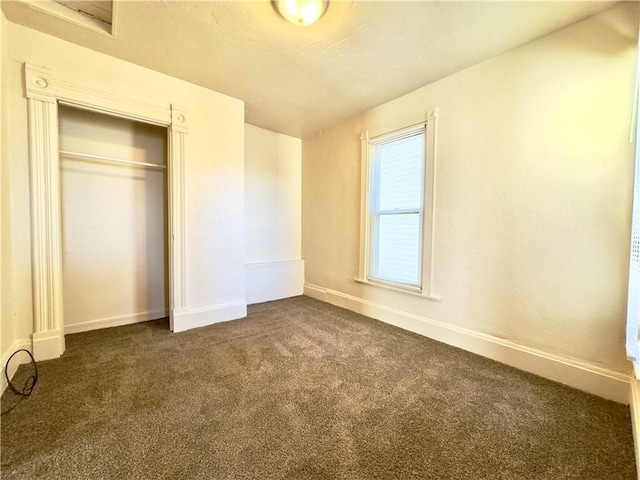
(48, 339)
(44, 92)
(98, 101)
(177, 154)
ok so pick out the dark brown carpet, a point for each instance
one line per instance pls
(302, 390)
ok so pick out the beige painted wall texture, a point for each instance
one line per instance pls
(7, 323)
(273, 169)
(214, 171)
(273, 230)
(533, 193)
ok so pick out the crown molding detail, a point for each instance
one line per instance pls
(39, 83)
(178, 119)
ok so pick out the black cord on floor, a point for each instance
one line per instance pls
(29, 384)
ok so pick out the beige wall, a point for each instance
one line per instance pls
(214, 170)
(7, 322)
(273, 166)
(533, 190)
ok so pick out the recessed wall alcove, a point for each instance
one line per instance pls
(44, 93)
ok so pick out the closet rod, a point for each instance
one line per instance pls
(85, 156)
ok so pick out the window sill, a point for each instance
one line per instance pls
(415, 293)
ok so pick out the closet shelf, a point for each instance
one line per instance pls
(85, 156)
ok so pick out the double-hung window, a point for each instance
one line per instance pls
(398, 173)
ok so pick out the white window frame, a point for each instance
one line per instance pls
(428, 121)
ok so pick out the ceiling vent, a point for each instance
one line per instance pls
(101, 10)
(96, 15)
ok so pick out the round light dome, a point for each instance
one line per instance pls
(301, 12)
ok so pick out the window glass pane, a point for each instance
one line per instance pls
(397, 257)
(393, 249)
(398, 167)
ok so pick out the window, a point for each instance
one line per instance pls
(397, 207)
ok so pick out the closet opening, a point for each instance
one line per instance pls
(114, 218)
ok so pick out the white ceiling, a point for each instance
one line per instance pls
(298, 80)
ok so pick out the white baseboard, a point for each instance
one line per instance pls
(15, 362)
(188, 318)
(634, 404)
(575, 373)
(48, 345)
(273, 280)
(115, 321)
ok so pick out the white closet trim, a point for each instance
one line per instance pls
(44, 92)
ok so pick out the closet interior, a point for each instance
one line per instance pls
(113, 174)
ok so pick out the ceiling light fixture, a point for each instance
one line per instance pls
(301, 12)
